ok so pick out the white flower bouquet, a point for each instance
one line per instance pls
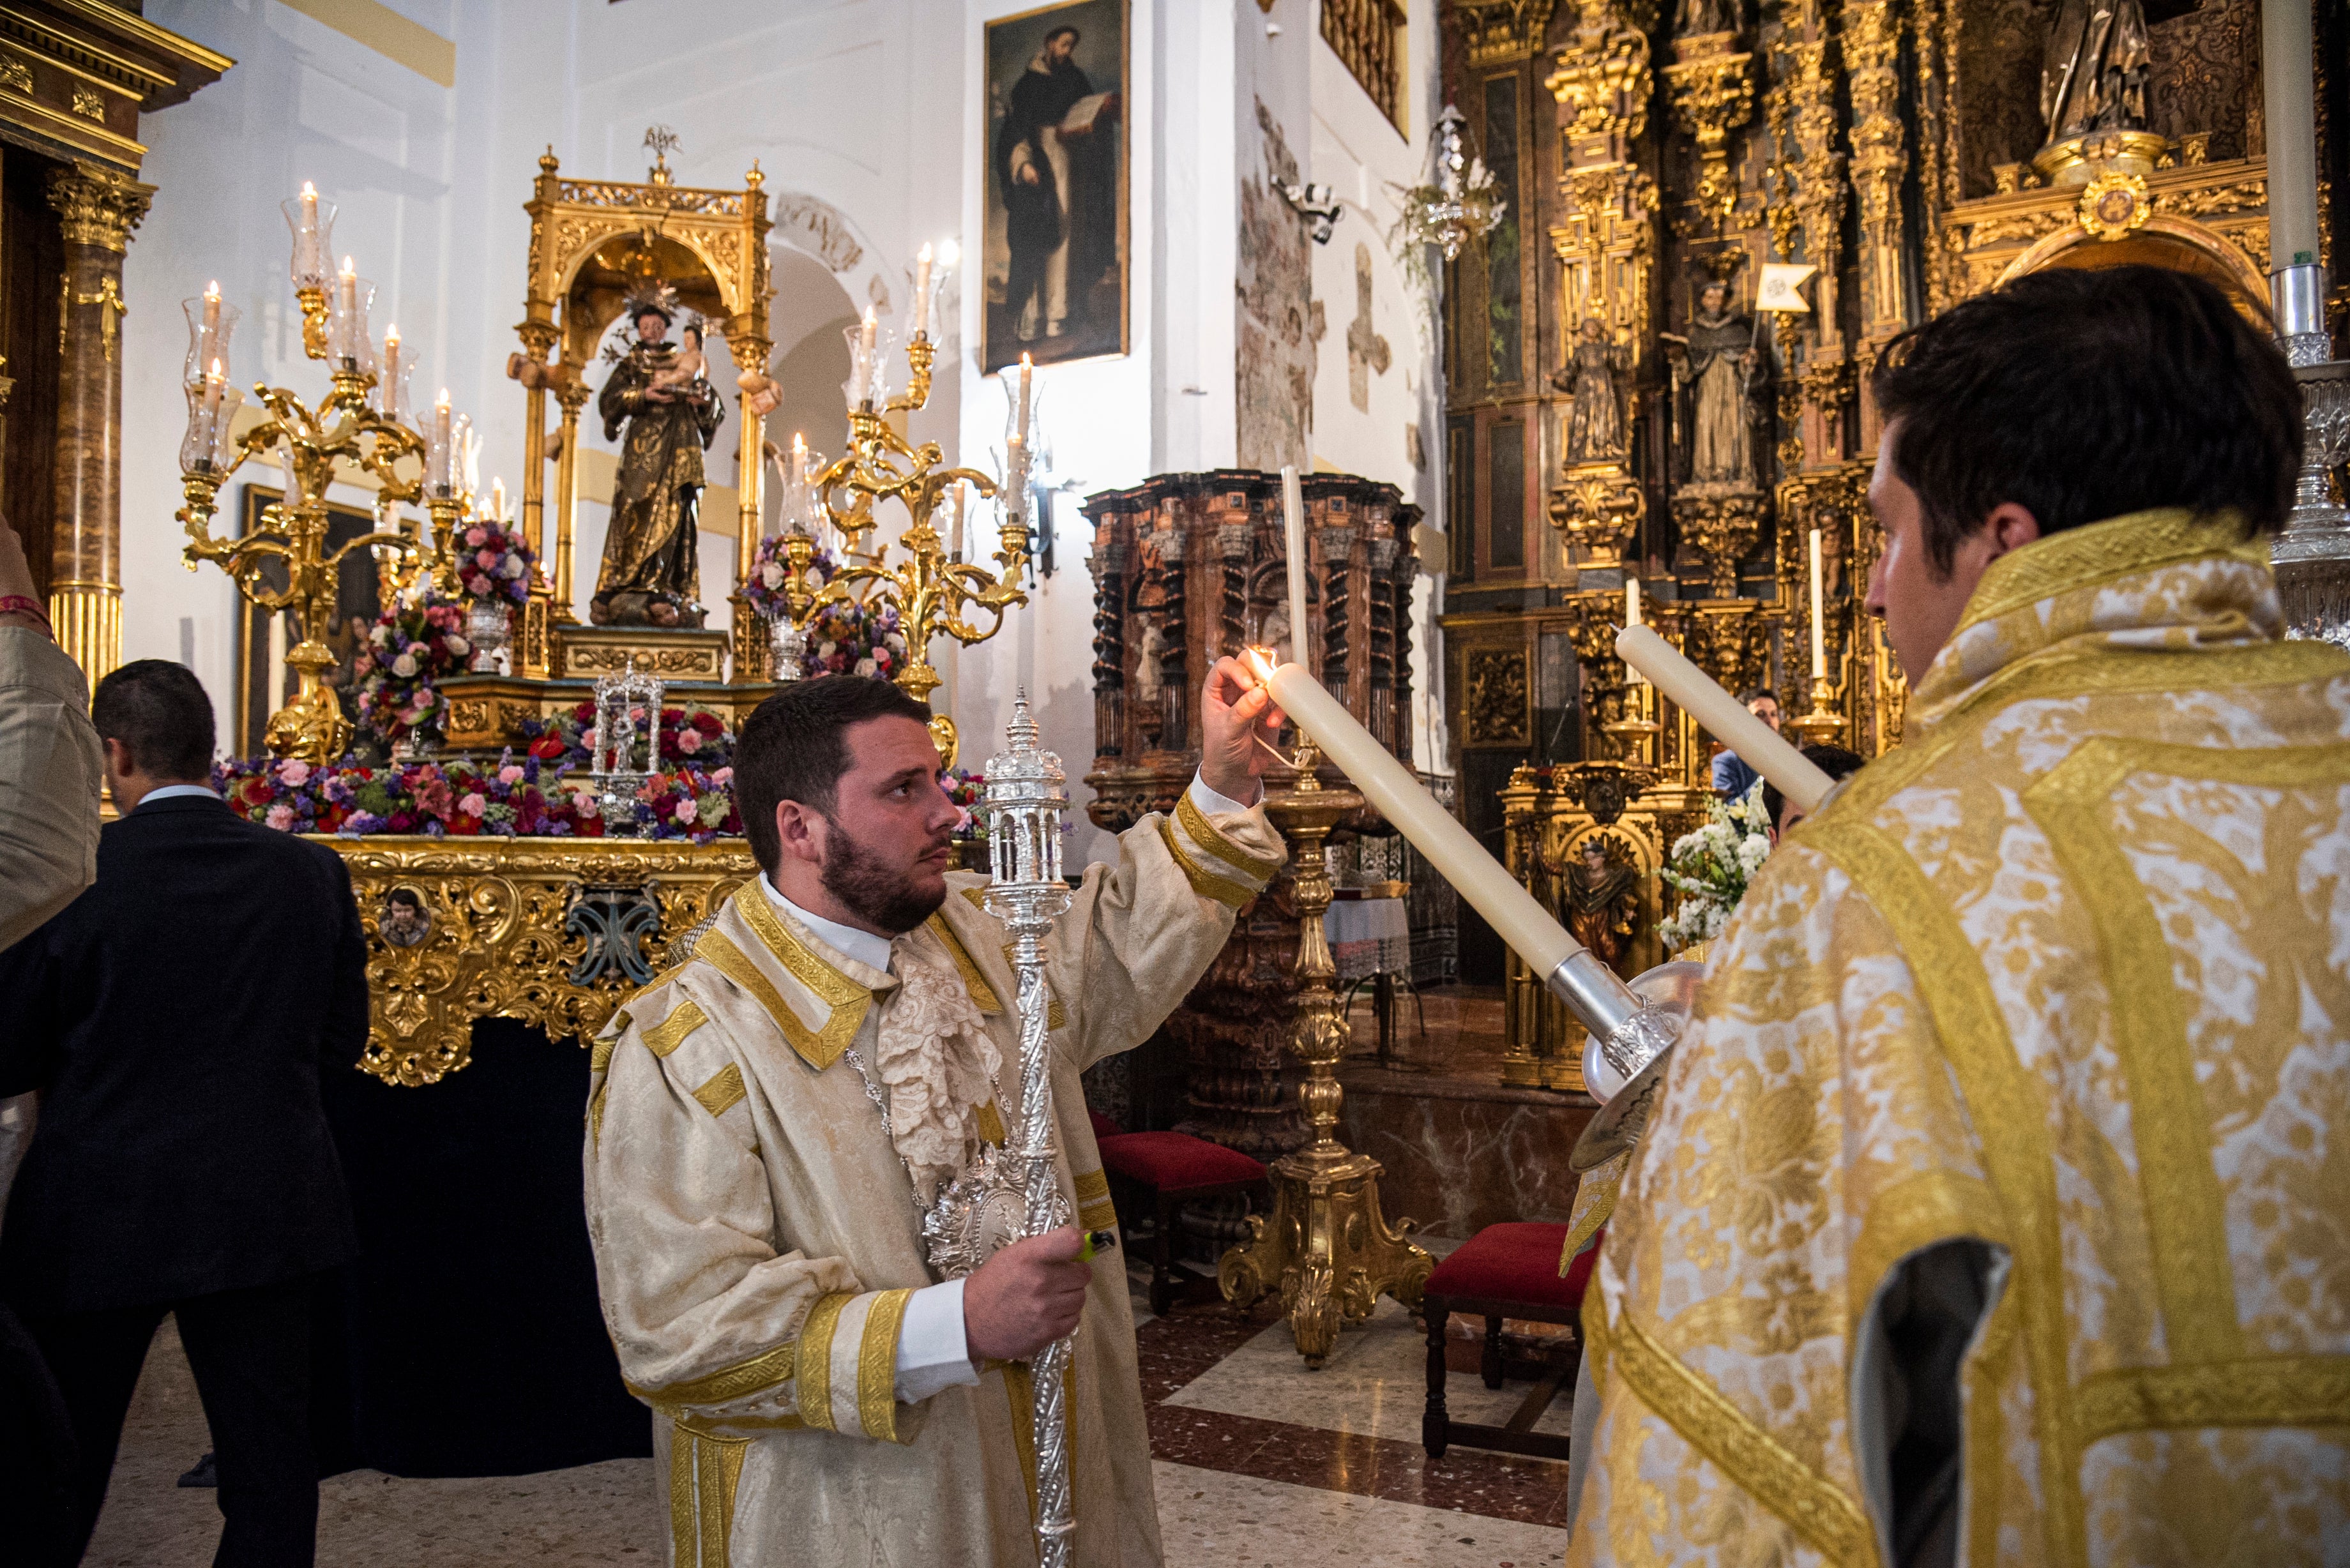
(1711, 868)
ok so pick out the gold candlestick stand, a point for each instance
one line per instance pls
(1328, 1249)
(311, 727)
(1823, 726)
(929, 590)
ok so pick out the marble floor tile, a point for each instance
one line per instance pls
(1374, 1383)
(1209, 1519)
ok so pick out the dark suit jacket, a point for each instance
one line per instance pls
(176, 1018)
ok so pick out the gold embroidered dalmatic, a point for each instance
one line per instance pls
(757, 1235)
(2068, 973)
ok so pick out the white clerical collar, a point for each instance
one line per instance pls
(863, 946)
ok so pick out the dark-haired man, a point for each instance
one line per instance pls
(772, 1124)
(175, 1019)
(1733, 776)
(1992, 1210)
(1779, 814)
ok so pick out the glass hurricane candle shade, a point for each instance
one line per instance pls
(211, 320)
(391, 386)
(211, 410)
(489, 628)
(789, 644)
(348, 346)
(313, 242)
(467, 454)
(868, 376)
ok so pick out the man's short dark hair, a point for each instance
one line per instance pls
(2083, 394)
(1833, 760)
(406, 897)
(795, 746)
(1071, 33)
(158, 712)
(1753, 694)
(637, 317)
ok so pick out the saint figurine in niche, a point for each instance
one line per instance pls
(651, 569)
(2093, 75)
(1599, 901)
(1716, 369)
(1594, 429)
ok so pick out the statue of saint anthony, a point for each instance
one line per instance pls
(1716, 369)
(652, 572)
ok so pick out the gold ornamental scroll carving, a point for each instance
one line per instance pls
(1606, 242)
(518, 927)
(1713, 86)
(592, 243)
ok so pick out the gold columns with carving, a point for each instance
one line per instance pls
(99, 208)
(1607, 247)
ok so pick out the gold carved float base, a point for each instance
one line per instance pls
(552, 931)
(487, 711)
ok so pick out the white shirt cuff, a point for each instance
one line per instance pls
(1212, 803)
(932, 1354)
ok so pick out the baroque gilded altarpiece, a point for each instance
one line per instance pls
(1650, 151)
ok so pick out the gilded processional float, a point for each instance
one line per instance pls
(547, 806)
(1719, 215)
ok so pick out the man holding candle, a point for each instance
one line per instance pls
(778, 1124)
(1993, 1206)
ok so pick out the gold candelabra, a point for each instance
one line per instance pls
(343, 427)
(1823, 726)
(930, 591)
(1328, 1249)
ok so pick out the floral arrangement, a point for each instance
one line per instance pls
(693, 736)
(968, 791)
(412, 647)
(850, 639)
(528, 799)
(492, 563)
(1711, 866)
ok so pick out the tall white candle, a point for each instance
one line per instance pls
(2289, 77)
(923, 293)
(1412, 811)
(498, 499)
(866, 333)
(1027, 377)
(391, 398)
(1632, 617)
(1819, 634)
(954, 529)
(1759, 747)
(438, 475)
(209, 349)
(215, 384)
(1293, 537)
(350, 284)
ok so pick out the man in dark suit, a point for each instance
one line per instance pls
(176, 1019)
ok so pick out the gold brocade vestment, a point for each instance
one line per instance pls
(2068, 973)
(757, 1237)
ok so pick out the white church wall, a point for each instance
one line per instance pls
(871, 138)
(1379, 381)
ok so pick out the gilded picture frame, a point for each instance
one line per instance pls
(1056, 258)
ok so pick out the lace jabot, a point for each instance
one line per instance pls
(937, 1067)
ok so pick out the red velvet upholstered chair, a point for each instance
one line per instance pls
(1168, 1169)
(1506, 1271)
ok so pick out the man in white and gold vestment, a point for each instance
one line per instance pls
(771, 1120)
(1997, 1206)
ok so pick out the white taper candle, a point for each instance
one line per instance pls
(1756, 743)
(1819, 634)
(1293, 535)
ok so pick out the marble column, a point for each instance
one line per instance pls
(98, 208)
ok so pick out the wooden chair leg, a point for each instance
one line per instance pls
(1492, 1367)
(1435, 1427)
(1162, 1258)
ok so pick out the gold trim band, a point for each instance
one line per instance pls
(876, 1365)
(815, 1360)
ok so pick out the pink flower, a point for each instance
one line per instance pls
(687, 812)
(293, 772)
(473, 805)
(281, 818)
(510, 775)
(474, 537)
(486, 559)
(723, 777)
(688, 740)
(584, 803)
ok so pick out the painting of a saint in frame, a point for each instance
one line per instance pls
(1056, 257)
